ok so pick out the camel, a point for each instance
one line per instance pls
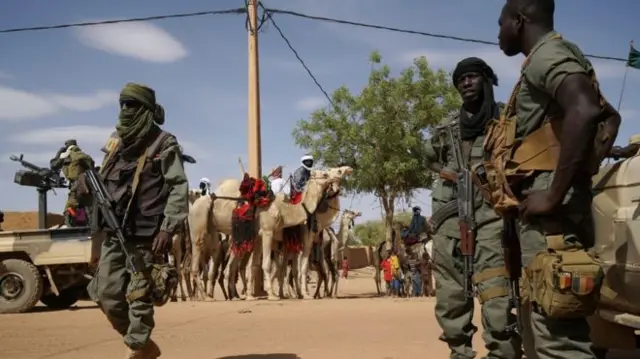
(213, 214)
(334, 246)
(331, 250)
(325, 216)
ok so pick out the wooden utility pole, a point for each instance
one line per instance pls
(254, 148)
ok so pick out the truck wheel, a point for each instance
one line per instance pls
(66, 299)
(20, 286)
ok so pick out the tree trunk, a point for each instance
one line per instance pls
(388, 204)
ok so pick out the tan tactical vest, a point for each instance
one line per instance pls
(510, 161)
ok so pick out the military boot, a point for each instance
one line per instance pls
(149, 351)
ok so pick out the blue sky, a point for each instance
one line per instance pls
(63, 84)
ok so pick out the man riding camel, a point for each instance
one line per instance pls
(205, 186)
(277, 182)
(302, 175)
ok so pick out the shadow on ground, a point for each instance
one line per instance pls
(262, 356)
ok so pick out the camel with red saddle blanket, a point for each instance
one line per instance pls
(239, 209)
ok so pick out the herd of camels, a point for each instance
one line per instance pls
(202, 255)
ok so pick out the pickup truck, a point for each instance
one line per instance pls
(46, 265)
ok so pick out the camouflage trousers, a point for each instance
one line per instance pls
(114, 282)
(454, 312)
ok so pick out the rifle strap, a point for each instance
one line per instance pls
(150, 153)
(491, 293)
(489, 273)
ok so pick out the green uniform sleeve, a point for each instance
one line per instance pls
(177, 208)
(430, 154)
(552, 63)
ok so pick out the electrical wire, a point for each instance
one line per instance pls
(237, 11)
(414, 32)
(281, 12)
(297, 55)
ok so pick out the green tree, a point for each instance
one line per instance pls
(370, 233)
(379, 132)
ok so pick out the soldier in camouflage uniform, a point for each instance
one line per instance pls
(72, 161)
(143, 171)
(557, 81)
(474, 80)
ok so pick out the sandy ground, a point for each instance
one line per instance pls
(358, 326)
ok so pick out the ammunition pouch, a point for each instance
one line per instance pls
(508, 161)
(564, 284)
(157, 285)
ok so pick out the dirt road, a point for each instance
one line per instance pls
(354, 327)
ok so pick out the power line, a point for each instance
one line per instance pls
(276, 11)
(118, 21)
(414, 32)
(295, 53)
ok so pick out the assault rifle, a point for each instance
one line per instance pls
(104, 203)
(513, 264)
(36, 176)
(465, 204)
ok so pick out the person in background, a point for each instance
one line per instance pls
(302, 175)
(416, 276)
(205, 186)
(388, 274)
(1, 220)
(277, 183)
(395, 272)
(345, 267)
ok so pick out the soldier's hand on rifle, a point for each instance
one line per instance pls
(536, 203)
(162, 243)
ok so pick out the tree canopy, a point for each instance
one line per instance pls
(370, 233)
(379, 132)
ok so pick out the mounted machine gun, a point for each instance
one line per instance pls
(43, 179)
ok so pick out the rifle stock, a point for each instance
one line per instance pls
(513, 264)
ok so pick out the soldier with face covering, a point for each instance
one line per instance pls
(144, 174)
(474, 80)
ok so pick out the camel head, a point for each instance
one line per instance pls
(336, 175)
(194, 194)
(350, 215)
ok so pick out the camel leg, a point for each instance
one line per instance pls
(243, 273)
(282, 272)
(267, 240)
(220, 275)
(196, 264)
(212, 275)
(295, 273)
(335, 273)
(172, 261)
(229, 276)
(377, 279)
(307, 241)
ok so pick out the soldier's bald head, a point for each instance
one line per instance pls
(538, 12)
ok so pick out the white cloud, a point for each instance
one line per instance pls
(19, 105)
(93, 136)
(311, 103)
(507, 68)
(142, 41)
